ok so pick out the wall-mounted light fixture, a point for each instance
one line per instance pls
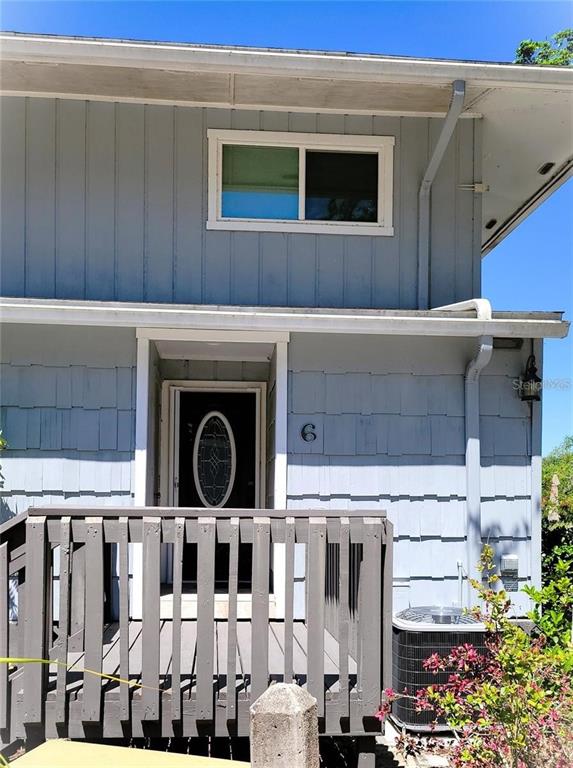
(530, 383)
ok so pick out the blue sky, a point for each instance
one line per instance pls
(533, 267)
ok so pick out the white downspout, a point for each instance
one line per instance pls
(473, 459)
(456, 106)
(474, 368)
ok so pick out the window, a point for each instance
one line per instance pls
(294, 182)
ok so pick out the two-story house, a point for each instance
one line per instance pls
(241, 279)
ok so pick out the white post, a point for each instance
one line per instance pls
(280, 478)
(140, 469)
(284, 728)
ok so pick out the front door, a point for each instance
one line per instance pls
(217, 466)
(218, 459)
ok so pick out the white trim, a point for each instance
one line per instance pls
(536, 466)
(231, 435)
(141, 423)
(382, 146)
(281, 420)
(189, 334)
(332, 141)
(169, 454)
(281, 320)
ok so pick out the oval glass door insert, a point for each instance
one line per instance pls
(214, 459)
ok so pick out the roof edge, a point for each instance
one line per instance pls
(145, 54)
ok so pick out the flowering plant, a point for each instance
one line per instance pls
(510, 707)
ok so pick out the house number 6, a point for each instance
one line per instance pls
(307, 433)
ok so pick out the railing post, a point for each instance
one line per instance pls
(206, 532)
(284, 728)
(387, 595)
(35, 620)
(260, 603)
(91, 708)
(4, 645)
(63, 620)
(151, 622)
(370, 625)
(315, 615)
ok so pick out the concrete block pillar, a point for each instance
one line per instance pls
(284, 728)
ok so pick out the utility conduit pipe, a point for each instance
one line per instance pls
(456, 106)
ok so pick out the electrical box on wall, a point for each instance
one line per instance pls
(509, 569)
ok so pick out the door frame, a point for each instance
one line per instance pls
(171, 390)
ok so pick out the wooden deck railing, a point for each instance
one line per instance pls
(190, 673)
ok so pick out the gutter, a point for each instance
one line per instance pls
(308, 320)
(424, 195)
(473, 441)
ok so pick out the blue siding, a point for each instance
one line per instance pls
(109, 201)
(389, 420)
(69, 427)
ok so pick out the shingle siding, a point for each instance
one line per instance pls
(70, 428)
(388, 414)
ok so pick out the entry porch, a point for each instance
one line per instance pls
(181, 671)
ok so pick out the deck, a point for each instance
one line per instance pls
(191, 673)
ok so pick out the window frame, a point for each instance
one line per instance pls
(383, 146)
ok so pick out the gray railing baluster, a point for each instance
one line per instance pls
(150, 617)
(206, 535)
(123, 555)
(290, 535)
(176, 624)
(63, 620)
(4, 644)
(93, 640)
(78, 597)
(343, 617)
(371, 615)
(349, 561)
(260, 602)
(316, 564)
(34, 643)
(232, 620)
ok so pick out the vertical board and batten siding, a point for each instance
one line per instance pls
(67, 410)
(108, 201)
(389, 423)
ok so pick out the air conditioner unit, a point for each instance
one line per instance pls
(417, 634)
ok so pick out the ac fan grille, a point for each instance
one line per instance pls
(409, 651)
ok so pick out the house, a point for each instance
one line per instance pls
(250, 280)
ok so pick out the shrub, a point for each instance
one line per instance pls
(512, 706)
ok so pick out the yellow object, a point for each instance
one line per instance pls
(59, 753)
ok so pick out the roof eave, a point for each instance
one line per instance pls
(300, 320)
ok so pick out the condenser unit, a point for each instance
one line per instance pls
(417, 634)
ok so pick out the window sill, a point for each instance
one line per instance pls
(301, 227)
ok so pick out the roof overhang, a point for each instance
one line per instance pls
(283, 320)
(527, 111)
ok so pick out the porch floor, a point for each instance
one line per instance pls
(110, 664)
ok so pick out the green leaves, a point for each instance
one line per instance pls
(556, 52)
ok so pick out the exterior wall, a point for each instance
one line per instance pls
(388, 414)
(68, 400)
(389, 419)
(109, 201)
